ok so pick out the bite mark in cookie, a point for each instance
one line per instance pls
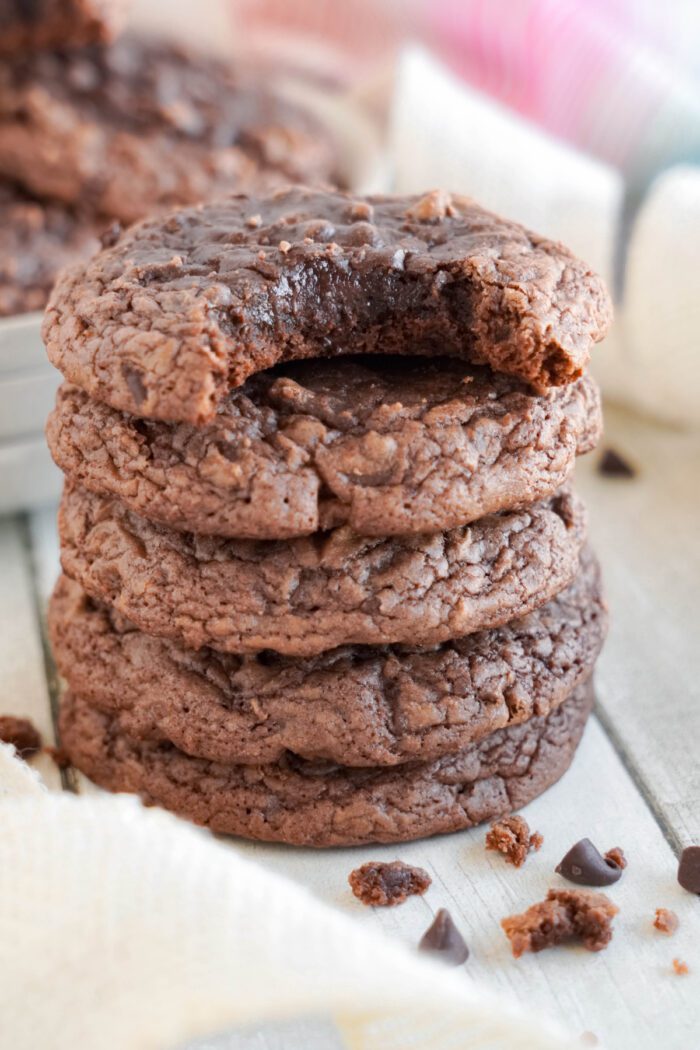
(198, 301)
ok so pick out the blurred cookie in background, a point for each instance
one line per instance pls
(30, 25)
(37, 239)
(142, 125)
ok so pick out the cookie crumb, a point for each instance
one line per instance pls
(384, 884)
(511, 837)
(284, 246)
(110, 236)
(612, 465)
(564, 915)
(253, 221)
(59, 756)
(665, 921)
(680, 968)
(443, 939)
(589, 1039)
(21, 733)
(617, 857)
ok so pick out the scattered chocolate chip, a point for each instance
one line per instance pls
(665, 921)
(442, 938)
(563, 916)
(689, 869)
(385, 884)
(613, 465)
(59, 756)
(616, 856)
(21, 733)
(586, 866)
(680, 967)
(511, 837)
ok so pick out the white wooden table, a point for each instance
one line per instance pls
(635, 782)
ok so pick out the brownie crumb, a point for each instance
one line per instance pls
(386, 884)
(20, 732)
(564, 915)
(511, 837)
(59, 755)
(665, 921)
(613, 465)
(680, 967)
(443, 939)
(617, 857)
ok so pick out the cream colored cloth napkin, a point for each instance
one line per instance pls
(443, 133)
(123, 928)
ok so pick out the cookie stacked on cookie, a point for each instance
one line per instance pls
(95, 130)
(326, 581)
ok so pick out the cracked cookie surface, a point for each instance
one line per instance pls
(30, 25)
(307, 595)
(179, 309)
(362, 706)
(387, 445)
(317, 804)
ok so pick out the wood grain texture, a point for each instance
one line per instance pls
(646, 531)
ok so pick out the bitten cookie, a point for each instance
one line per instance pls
(317, 804)
(143, 125)
(362, 706)
(386, 445)
(36, 241)
(303, 596)
(29, 25)
(163, 323)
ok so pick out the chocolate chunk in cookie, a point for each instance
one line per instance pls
(198, 301)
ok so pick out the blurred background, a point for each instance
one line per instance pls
(579, 118)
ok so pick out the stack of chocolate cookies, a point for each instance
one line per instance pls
(95, 131)
(326, 581)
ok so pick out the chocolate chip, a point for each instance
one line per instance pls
(21, 733)
(443, 939)
(689, 869)
(586, 866)
(613, 465)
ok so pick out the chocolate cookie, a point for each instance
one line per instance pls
(388, 446)
(360, 705)
(29, 25)
(36, 241)
(163, 323)
(303, 596)
(317, 804)
(143, 125)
